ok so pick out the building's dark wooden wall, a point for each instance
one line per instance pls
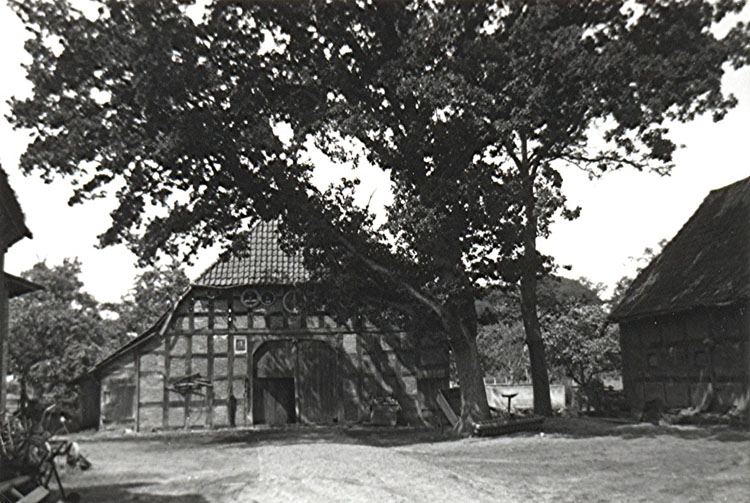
(688, 358)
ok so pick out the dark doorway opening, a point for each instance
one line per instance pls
(119, 399)
(274, 401)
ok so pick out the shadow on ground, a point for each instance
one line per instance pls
(574, 427)
(292, 434)
(129, 492)
(584, 427)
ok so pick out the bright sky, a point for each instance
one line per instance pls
(622, 213)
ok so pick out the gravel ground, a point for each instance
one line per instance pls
(575, 460)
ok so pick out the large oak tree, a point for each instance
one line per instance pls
(472, 110)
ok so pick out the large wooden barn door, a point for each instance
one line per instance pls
(273, 388)
(319, 382)
(296, 377)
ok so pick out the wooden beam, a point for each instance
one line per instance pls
(445, 406)
(189, 358)
(296, 375)
(230, 370)
(210, 391)
(4, 332)
(165, 384)
(137, 357)
(250, 379)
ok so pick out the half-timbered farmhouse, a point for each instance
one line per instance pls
(241, 340)
(685, 321)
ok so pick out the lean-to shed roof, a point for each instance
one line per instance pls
(706, 264)
(20, 286)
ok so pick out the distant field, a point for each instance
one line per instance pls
(576, 460)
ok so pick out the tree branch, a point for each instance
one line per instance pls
(580, 158)
(384, 271)
(511, 152)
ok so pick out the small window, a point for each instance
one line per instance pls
(652, 360)
(240, 345)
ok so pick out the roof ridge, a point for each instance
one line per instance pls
(703, 264)
(729, 186)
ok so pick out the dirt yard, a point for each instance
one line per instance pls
(575, 460)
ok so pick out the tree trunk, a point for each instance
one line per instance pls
(460, 323)
(539, 376)
(474, 405)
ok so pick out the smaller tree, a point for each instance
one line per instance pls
(503, 353)
(500, 337)
(501, 331)
(55, 333)
(583, 345)
(154, 292)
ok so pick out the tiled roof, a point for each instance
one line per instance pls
(706, 264)
(264, 263)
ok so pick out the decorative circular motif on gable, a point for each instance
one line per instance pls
(293, 301)
(250, 298)
(267, 298)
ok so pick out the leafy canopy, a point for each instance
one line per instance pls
(574, 327)
(454, 99)
(61, 331)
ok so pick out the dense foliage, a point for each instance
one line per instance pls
(61, 331)
(572, 317)
(55, 333)
(582, 344)
(472, 109)
(155, 291)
